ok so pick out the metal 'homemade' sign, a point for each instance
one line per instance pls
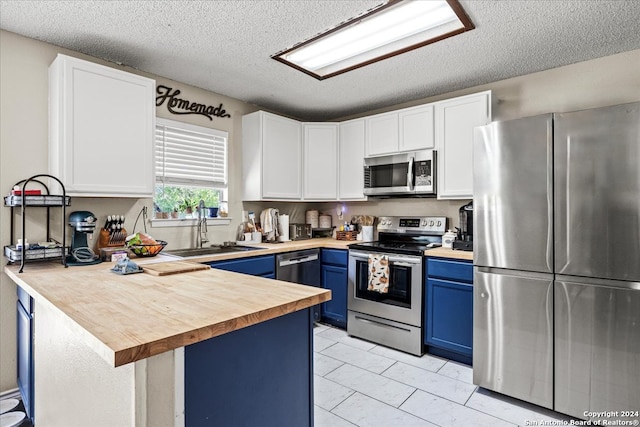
(177, 105)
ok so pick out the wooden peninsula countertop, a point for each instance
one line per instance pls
(125, 318)
(132, 317)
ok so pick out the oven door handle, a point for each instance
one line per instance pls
(404, 264)
(402, 261)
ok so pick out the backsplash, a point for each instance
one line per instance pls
(375, 207)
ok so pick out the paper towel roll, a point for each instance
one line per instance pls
(283, 221)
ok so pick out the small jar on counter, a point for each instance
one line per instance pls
(223, 210)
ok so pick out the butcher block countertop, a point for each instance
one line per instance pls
(449, 253)
(126, 318)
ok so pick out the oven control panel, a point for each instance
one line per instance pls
(418, 224)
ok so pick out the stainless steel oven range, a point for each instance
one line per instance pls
(385, 282)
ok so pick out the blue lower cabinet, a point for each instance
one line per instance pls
(24, 310)
(334, 311)
(335, 278)
(264, 266)
(448, 313)
(261, 375)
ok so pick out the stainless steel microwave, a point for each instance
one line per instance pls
(404, 174)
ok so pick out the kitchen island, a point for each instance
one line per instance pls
(200, 348)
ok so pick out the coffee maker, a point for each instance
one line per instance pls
(83, 224)
(464, 238)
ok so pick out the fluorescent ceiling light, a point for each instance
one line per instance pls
(390, 29)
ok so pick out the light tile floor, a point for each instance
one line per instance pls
(358, 383)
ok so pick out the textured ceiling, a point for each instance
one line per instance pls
(225, 46)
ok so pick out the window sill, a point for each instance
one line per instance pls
(188, 222)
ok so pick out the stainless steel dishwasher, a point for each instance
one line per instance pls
(301, 267)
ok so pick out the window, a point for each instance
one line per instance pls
(191, 165)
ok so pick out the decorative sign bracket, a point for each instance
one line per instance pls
(176, 105)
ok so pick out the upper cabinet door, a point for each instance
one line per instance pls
(351, 160)
(100, 114)
(382, 134)
(281, 157)
(320, 161)
(455, 120)
(416, 128)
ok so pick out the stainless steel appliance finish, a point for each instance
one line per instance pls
(301, 267)
(513, 187)
(597, 193)
(565, 207)
(513, 333)
(464, 236)
(392, 322)
(393, 319)
(597, 345)
(299, 231)
(405, 174)
(407, 235)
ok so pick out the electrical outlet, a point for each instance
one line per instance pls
(340, 214)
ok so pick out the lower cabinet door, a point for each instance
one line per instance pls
(334, 311)
(449, 315)
(25, 357)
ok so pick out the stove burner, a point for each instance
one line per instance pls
(405, 235)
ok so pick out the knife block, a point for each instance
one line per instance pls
(109, 239)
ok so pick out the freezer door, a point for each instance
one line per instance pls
(597, 342)
(513, 334)
(597, 192)
(513, 199)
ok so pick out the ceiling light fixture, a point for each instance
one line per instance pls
(390, 29)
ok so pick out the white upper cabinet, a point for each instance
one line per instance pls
(101, 129)
(416, 128)
(403, 130)
(320, 161)
(351, 160)
(455, 120)
(272, 157)
(382, 134)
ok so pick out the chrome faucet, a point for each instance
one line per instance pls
(201, 236)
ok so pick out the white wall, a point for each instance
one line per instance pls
(24, 66)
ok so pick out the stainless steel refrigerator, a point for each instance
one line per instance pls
(557, 259)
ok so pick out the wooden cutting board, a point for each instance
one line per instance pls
(173, 267)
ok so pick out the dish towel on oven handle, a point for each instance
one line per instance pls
(378, 273)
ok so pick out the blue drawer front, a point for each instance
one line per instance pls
(335, 257)
(448, 269)
(256, 266)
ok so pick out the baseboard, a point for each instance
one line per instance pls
(10, 394)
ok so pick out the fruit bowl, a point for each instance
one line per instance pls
(142, 250)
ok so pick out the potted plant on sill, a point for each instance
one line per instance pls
(188, 202)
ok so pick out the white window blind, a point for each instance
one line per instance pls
(190, 155)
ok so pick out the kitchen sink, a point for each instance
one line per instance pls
(211, 250)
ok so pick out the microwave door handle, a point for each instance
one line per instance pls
(410, 175)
